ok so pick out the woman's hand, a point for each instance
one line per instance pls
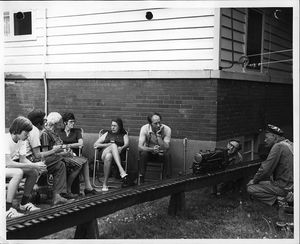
(120, 149)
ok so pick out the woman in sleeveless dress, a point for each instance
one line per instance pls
(113, 142)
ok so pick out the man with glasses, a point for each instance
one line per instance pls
(154, 143)
(275, 175)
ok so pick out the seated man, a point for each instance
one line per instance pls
(275, 174)
(55, 166)
(233, 148)
(154, 142)
(15, 145)
(234, 157)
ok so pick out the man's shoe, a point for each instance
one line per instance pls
(29, 207)
(127, 182)
(61, 200)
(90, 192)
(13, 213)
(69, 195)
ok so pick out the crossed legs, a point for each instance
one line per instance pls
(109, 153)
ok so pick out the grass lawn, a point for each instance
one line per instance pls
(206, 217)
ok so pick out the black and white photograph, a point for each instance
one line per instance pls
(142, 121)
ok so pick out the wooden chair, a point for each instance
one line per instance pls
(153, 167)
(98, 161)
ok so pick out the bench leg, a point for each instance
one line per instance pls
(177, 204)
(88, 230)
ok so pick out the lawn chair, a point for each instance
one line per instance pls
(99, 162)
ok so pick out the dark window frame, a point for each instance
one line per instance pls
(254, 39)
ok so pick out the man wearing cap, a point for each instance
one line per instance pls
(275, 174)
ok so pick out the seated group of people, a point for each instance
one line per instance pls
(154, 141)
(38, 144)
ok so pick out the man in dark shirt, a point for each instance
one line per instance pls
(275, 174)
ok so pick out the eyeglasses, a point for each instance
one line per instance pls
(71, 121)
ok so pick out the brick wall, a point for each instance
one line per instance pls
(207, 110)
(246, 106)
(188, 106)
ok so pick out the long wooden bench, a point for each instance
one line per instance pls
(83, 213)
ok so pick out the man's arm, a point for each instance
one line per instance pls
(24, 163)
(267, 167)
(164, 143)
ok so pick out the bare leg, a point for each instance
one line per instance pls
(71, 178)
(86, 176)
(16, 175)
(116, 156)
(107, 159)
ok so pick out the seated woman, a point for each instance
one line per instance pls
(113, 142)
(72, 137)
(50, 139)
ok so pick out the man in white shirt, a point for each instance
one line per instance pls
(15, 148)
(154, 143)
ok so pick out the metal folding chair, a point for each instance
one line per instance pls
(98, 161)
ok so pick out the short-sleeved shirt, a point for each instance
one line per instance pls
(73, 137)
(14, 149)
(33, 140)
(48, 139)
(151, 138)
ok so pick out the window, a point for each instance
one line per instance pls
(254, 39)
(19, 25)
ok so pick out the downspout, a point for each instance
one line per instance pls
(232, 43)
(44, 64)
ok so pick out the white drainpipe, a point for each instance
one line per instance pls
(44, 64)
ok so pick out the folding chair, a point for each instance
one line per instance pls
(98, 161)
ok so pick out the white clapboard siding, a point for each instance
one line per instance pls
(134, 66)
(132, 56)
(99, 17)
(131, 46)
(117, 38)
(24, 60)
(24, 51)
(133, 36)
(132, 26)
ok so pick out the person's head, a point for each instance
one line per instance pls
(37, 118)
(53, 120)
(234, 146)
(154, 120)
(68, 120)
(117, 126)
(272, 135)
(20, 127)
